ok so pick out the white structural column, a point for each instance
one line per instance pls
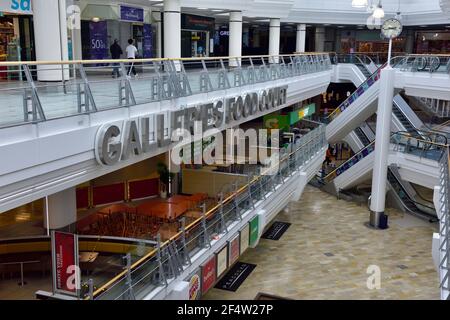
(301, 38)
(61, 209)
(50, 35)
(235, 38)
(320, 39)
(382, 143)
(274, 39)
(157, 19)
(172, 30)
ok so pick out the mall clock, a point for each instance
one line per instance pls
(391, 28)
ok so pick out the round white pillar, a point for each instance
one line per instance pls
(50, 35)
(274, 39)
(157, 20)
(382, 143)
(172, 30)
(235, 38)
(61, 209)
(301, 38)
(320, 39)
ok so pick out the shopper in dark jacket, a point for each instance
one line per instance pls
(116, 52)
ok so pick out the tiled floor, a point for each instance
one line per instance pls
(327, 250)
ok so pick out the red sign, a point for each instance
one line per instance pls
(234, 250)
(208, 274)
(65, 262)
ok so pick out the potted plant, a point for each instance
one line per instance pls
(165, 177)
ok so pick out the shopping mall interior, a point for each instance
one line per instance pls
(224, 150)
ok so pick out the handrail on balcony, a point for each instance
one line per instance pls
(311, 137)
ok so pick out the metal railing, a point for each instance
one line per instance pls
(82, 87)
(235, 202)
(439, 108)
(402, 142)
(444, 230)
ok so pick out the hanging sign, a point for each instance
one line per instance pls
(131, 14)
(147, 41)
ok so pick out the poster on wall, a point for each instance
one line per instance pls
(98, 37)
(244, 235)
(208, 274)
(233, 250)
(131, 14)
(66, 278)
(194, 280)
(147, 41)
(222, 261)
(254, 231)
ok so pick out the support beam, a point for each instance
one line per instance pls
(274, 39)
(61, 209)
(320, 39)
(235, 38)
(382, 143)
(172, 30)
(301, 38)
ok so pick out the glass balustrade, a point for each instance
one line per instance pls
(90, 86)
(237, 201)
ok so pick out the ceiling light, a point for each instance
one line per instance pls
(95, 19)
(359, 3)
(202, 8)
(378, 13)
(216, 10)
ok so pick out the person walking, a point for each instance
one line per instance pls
(131, 54)
(116, 52)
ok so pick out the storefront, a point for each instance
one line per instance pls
(102, 24)
(437, 41)
(197, 36)
(16, 32)
(369, 41)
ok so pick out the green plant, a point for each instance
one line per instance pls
(165, 176)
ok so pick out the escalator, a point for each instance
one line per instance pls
(358, 169)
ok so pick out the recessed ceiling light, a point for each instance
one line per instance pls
(216, 10)
(327, 24)
(423, 26)
(202, 8)
(340, 26)
(95, 19)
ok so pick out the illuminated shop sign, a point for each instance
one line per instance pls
(208, 274)
(122, 140)
(16, 6)
(131, 14)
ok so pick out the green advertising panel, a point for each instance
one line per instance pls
(254, 231)
(298, 115)
(276, 122)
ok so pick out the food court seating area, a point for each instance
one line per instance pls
(145, 219)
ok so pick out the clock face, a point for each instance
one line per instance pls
(391, 28)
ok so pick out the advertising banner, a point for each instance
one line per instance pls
(276, 122)
(233, 250)
(65, 263)
(98, 33)
(222, 261)
(131, 14)
(194, 280)
(147, 41)
(298, 115)
(244, 235)
(16, 6)
(254, 231)
(208, 274)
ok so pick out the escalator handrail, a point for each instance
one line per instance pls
(408, 195)
(333, 173)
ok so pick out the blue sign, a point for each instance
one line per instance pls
(16, 6)
(147, 41)
(131, 14)
(98, 36)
